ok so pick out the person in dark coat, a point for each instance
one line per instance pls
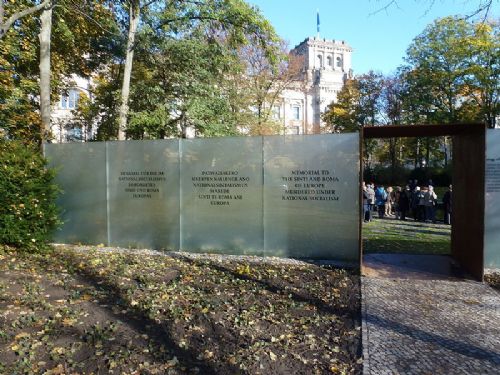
(404, 202)
(412, 184)
(447, 205)
(414, 199)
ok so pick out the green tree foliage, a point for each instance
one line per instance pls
(453, 73)
(264, 82)
(101, 107)
(359, 104)
(28, 214)
(483, 74)
(18, 71)
(343, 116)
(215, 66)
(178, 86)
(374, 100)
(195, 43)
(371, 86)
(80, 44)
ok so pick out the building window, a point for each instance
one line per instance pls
(74, 134)
(339, 62)
(320, 61)
(329, 61)
(69, 100)
(296, 112)
(276, 112)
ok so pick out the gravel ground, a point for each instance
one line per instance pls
(430, 327)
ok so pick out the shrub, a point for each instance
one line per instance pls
(28, 213)
(380, 174)
(441, 176)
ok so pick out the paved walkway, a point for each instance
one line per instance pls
(424, 326)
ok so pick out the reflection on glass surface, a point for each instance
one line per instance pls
(221, 195)
(143, 190)
(492, 200)
(82, 176)
(311, 196)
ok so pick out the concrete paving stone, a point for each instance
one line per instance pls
(413, 326)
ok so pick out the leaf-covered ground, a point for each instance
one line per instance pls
(112, 312)
(389, 235)
(493, 279)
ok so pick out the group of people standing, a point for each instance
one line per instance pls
(419, 202)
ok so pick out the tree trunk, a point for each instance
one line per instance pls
(427, 152)
(134, 13)
(417, 155)
(445, 141)
(5, 25)
(44, 36)
(393, 155)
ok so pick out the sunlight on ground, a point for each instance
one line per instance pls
(409, 237)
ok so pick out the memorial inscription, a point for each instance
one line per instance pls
(141, 184)
(493, 175)
(310, 184)
(492, 200)
(220, 188)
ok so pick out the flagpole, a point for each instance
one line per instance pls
(317, 22)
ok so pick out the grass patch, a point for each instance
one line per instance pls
(96, 311)
(406, 237)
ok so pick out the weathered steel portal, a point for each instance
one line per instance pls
(467, 231)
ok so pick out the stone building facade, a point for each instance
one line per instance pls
(326, 66)
(62, 124)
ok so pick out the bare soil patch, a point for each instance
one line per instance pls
(72, 312)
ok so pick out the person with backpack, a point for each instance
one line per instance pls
(380, 199)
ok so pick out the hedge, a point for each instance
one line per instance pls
(28, 213)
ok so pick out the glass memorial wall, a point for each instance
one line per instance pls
(311, 196)
(221, 188)
(143, 194)
(294, 196)
(81, 174)
(492, 200)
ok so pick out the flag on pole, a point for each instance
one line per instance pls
(317, 21)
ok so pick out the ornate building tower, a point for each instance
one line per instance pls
(326, 66)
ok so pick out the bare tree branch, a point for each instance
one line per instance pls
(5, 26)
(483, 7)
(77, 9)
(386, 7)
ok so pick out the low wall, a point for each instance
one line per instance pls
(292, 196)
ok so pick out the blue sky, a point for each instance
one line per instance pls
(379, 39)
